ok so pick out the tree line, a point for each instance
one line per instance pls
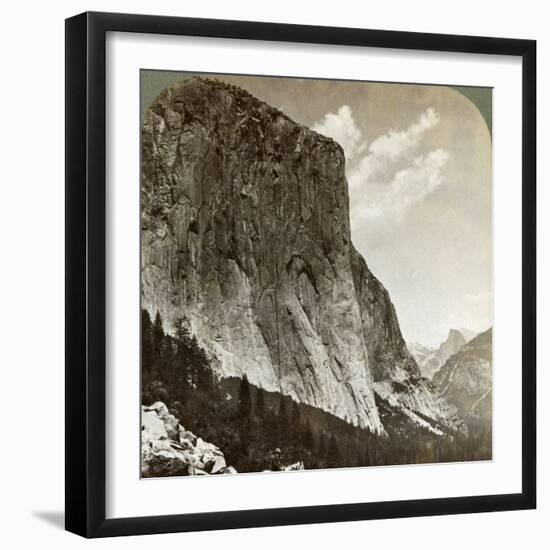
(259, 430)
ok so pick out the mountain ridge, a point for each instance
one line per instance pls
(431, 360)
(466, 380)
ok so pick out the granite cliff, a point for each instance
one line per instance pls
(246, 233)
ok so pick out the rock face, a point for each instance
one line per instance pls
(430, 361)
(396, 376)
(245, 232)
(466, 379)
(167, 449)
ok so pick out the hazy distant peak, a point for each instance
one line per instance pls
(468, 334)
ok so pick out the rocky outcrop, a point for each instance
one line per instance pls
(245, 232)
(167, 449)
(466, 379)
(416, 400)
(294, 467)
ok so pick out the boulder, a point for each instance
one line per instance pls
(294, 467)
(167, 449)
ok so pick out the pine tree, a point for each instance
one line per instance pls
(181, 332)
(158, 337)
(333, 456)
(271, 428)
(146, 345)
(307, 437)
(283, 422)
(180, 360)
(295, 423)
(260, 405)
(203, 372)
(321, 450)
(244, 416)
(245, 401)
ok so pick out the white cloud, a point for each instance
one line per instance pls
(389, 174)
(392, 175)
(407, 186)
(341, 128)
(394, 145)
(422, 178)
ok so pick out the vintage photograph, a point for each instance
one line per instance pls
(316, 274)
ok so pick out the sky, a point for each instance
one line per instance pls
(419, 170)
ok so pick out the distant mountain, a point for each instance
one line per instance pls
(431, 360)
(420, 352)
(468, 334)
(455, 340)
(465, 380)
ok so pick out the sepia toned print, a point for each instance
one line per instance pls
(316, 274)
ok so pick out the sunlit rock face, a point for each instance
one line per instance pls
(246, 233)
(397, 378)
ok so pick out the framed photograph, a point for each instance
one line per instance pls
(300, 274)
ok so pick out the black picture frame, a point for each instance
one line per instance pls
(86, 283)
